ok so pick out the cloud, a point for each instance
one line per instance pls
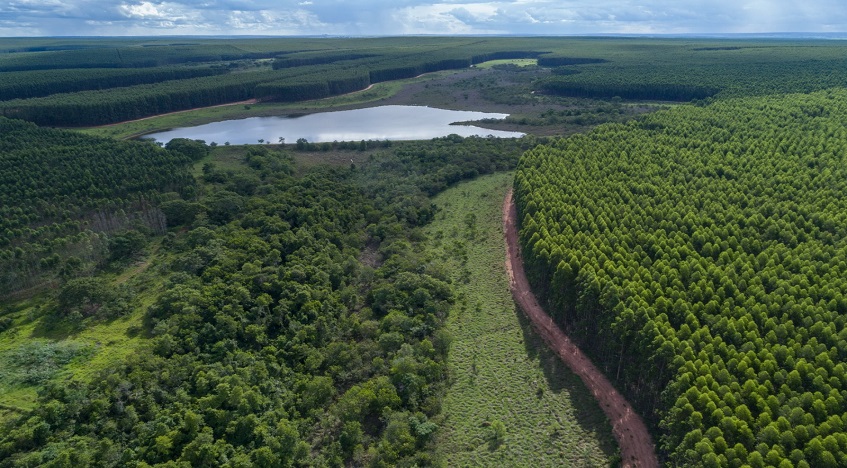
(376, 17)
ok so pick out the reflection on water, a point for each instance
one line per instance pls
(373, 123)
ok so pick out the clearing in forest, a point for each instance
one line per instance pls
(502, 374)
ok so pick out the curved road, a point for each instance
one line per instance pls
(637, 449)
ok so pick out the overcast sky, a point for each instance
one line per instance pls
(390, 17)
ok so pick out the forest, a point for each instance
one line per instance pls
(194, 304)
(272, 340)
(60, 189)
(107, 82)
(698, 255)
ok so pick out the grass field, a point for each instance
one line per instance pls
(29, 356)
(502, 373)
(518, 62)
(32, 352)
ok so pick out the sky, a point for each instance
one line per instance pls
(397, 17)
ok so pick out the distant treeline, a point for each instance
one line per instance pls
(29, 84)
(316, 58)
(650, 91)
(301, 69)
(126, 57)
(120, 104)
(286, 84)
(550, 61)
(133, 102)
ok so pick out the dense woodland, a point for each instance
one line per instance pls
(297, 323)
(29, 84)
(61, 191)
(698, 255)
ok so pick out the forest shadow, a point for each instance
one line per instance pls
(51, 327)
(559, 377)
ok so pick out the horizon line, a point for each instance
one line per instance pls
(774, 34)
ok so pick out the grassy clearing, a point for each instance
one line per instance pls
(518, 62)
(225, 158)
(231, 158)
(512, 402)
(57, 355)
(206, 115)
(33, 352)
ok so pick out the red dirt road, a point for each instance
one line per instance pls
(637, 449)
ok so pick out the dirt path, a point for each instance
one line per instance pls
(141, 266)
(637, 449)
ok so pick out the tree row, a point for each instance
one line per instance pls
(698, 255)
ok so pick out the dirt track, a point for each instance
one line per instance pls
(637, 449)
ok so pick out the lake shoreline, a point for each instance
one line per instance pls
(387, 122)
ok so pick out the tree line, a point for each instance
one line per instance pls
(29, 84)
(312, 68)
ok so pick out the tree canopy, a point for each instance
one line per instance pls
(698, 254)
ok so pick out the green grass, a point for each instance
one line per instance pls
(62, 353)
(206, 115)
(500, 369)
(518, 62)
(100, 345)
(225, 158)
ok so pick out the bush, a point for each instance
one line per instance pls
(194, 149)
(126, 245)
(497, 434)
(179, 212)
(85, 295)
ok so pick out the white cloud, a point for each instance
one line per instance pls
(141, 10)
(373, 17)
(273, 23)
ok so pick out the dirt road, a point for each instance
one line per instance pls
(637, 449)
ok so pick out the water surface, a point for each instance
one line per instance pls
(373, 123)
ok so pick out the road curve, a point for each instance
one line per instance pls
(636, 445)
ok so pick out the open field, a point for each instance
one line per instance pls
(517, 62)
(500, 369)
(35, 350)
(31, 352)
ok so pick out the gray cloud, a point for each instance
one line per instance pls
(374, 17)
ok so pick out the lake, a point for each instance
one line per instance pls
(373, 123)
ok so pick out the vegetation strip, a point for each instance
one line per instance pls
(511, 400)
(637, 448)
